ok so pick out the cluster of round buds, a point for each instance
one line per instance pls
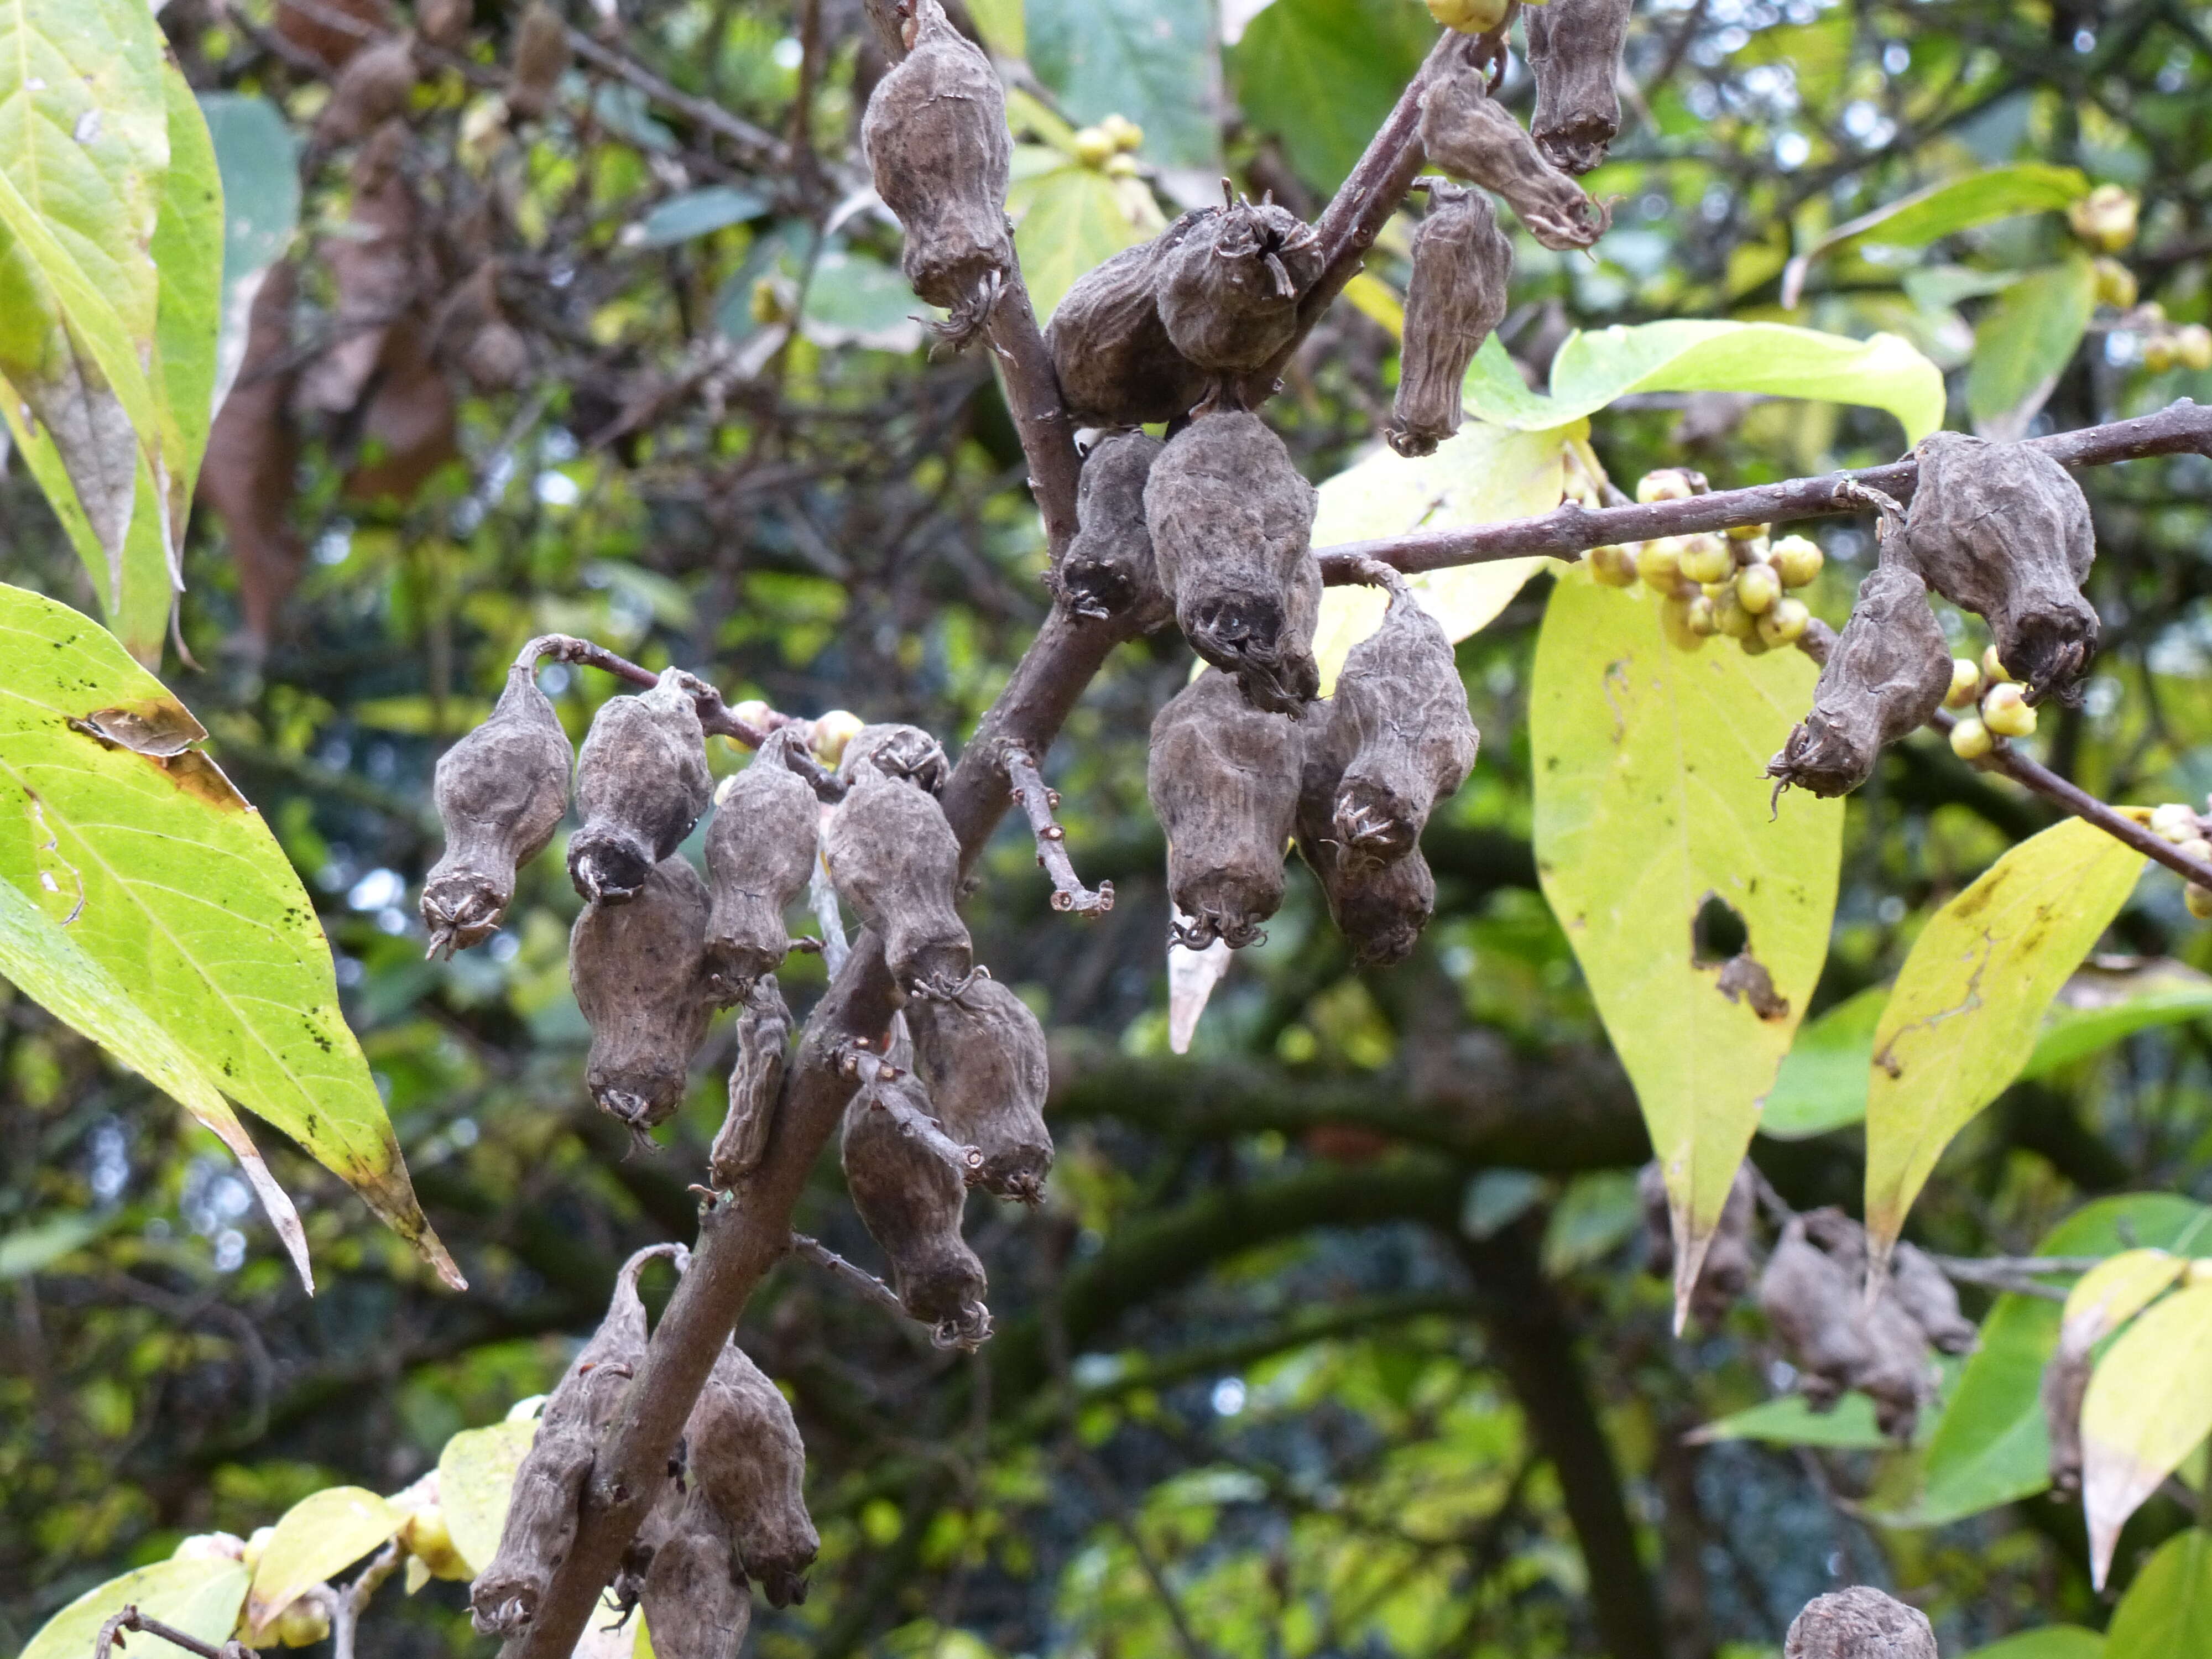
(1737, 585)
(2104, 218)
(2167, 346)
(1108, 146)
(2001, 707)
(2180, 823)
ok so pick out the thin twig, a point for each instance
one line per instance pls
(764, 148)
(915, 1124)
(131, 1619)
(1037, 801)
(714, 716)
(873, 1289)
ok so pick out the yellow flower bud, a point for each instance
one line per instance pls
(1965, 683)
(1758, 588)
(1971, 739)
(2006, 712)
(1795, 560)
(1615, 566)
(1706, 558)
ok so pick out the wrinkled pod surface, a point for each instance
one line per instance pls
(501, 793)
(982, 1056)
(640, 973)
(642, 784)
(1223, 781)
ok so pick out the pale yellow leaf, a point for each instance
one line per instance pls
(323, 1534)
(476, 1474)
(2148, 1406)
(2114, 1292)
(198, 1596)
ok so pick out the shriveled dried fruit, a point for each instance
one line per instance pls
(1462, 264)
(1858, 1623)
(1108, 570)
(640, 973)
(2003, 530)
(1574, 52)
(1923, 1291)
(1727, 1273)
(696, 1605)
(1895, 1372)
(756, 1083)
(642, 784)
(1381, 909)
(1231, 521)
(542, 1514)
(1229, 289)
(898, 751)
(1886, 676)
(935, 139)
(1110, 349)
(744, 1455)
(1401, 718)
(444, 22)
(332, 30)
(541, 55)
(982, 1057)
(760, 855)
(896, 862)
(911, 1200)
(1469, 134)
(1813, 1307)
(1224, 778)
(501, 793)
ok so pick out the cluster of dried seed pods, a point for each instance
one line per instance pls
(1470, 135)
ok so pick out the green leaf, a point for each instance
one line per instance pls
(2167, 1611)
(2149, 1405)
(1823, 1083)
(1595, 1214)
(319, 1536)
(854, 299)
(2099, 1007)
(1321, 74)
(475, 1475)
(1789, 1421)
(1069, 220)
(1002, 25)
(2023, 343)
(39, 952)
(2052, 1641)
(1688, 355)
(697, 213)
(1967, 1003)
(257, 157)
(1651, 799)
(187, 898)
(1153, 61)
(1943, 209)
(28, 1250)
(199, 1595)
(1480, 475)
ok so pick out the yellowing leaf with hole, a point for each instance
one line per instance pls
(2114, 1292)
(1962, 1017)
(475, 1474)
(1651, 801)
(318, 1537)
(198, 1596)
(2149, 1405)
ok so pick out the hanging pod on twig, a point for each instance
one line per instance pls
(1400, 719)
(642, 784)
(640, 973)
(760, 855)
(1472, 136)
(982, 1056)
(696, 1603)
(1231, 522)
(1108, 570)
(1380, 908)
(911, 1199)
(1110, 349)
(745, 1457)
(1886, 676)
(2003, 530)
(1813, 1307)
(1462, 263)
(935, 139)
(1230, 288)
(1574, 53)
(896, 862)
(501, 793)
(1223, 781)
(905, 752)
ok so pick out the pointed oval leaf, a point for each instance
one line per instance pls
(2167, 1611)
(2023, 343)
(476, 1474)
(1943, 210)
(2114, 1292)
(318, 1537)
(1068, 221)
(1651, 800)
(199, 1596)
(2149, 1405)
(1154, 61)
(1963, 1016)
(1321, 74)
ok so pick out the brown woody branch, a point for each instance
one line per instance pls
(1037, 801)
(714, 716)
(111, 1638)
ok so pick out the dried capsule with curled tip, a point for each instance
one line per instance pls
(743, 1453)
(1381, 909)
(642, 784)
(896, 860)
(2003, 530)
(542, 1513)
(1813, 1307)
(982, 1056)
(1886, 676)
(911, 1200)
(1110, 349)
(760, 855)
(1470, 135)
(1574, 53)
(755, 1083)
(935, 139)
(1400, 721)
(501, 793)
(896, 751)
(1231, 522)
(1223, 780)
(640, 973)
(1461, 264)
(695, 1601)
(1108, 570)
(1923, 1291)
(1230, 288)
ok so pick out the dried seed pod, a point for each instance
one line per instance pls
(935, 139)
(905, 752)
(1886, 676)
(1230, 288)
(501, 793)
(1813, 1308)
(1469, 134)
(696, 1605)
(1108, 570)
(755, 1083)
(911, 1200)
(1116, 365)
(982, 1056)
(746, 1458)
(373, 88)
(1727, 1273)
(541, 56)
(541, 1516)
(896, 862)
(1461, 264)
(642, 783)
(1924, 1293)
(1231, 521)
(640, 971)
(1400, 715)
(1895, 1372)
(1224, 778)
(1380, 909)
(2003, 530)
(1859, 1623)
(2065, 1385)
(1574, 52)
(759, 856)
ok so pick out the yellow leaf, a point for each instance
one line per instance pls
(198, 1596)
(323, 1534)
(2148, 1406)
(1372, 298)
(2114, 1292)
(475, 1474)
